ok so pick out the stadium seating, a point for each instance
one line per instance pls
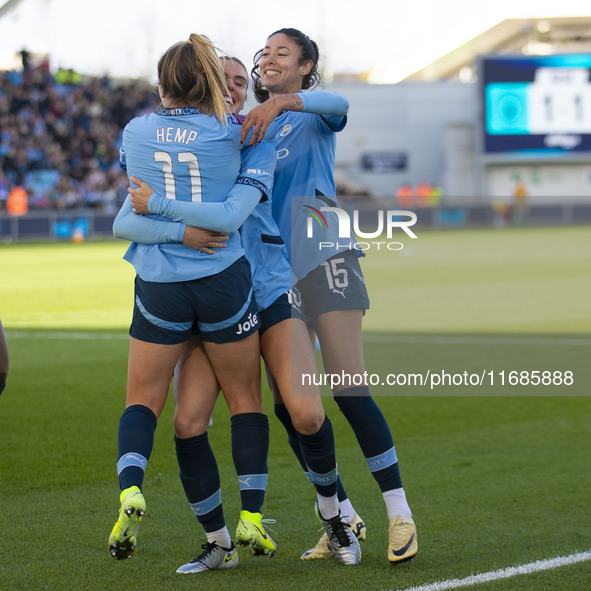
(60, 137)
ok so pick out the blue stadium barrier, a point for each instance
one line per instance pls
(88, 224)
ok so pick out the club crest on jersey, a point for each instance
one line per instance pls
(285, 129)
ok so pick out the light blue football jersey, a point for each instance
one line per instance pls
(261, 239)
(184, 155)
(265, 249)
(305, 144)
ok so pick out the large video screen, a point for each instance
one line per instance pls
(538, 104)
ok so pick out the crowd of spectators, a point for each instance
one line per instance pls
(60, 136)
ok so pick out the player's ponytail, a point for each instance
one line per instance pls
(215, 78)
(190, 72)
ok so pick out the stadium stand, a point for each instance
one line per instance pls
(60, 137)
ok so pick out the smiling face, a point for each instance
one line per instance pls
(281, 68)
(237, 82)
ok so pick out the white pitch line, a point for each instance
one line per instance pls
(504, 573)
(448, 340)
(81, 336)
(372, 338)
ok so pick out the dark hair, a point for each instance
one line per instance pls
(190, 71)
(308, 52)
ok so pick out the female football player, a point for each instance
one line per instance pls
(329, 294)
(188, 151)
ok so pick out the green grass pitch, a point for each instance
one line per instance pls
(496, 475)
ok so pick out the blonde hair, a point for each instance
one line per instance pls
(190, 72)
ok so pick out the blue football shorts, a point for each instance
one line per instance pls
(220, 308)
(277, 312)
(336, 284)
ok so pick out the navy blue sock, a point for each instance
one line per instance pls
(136, 440)
(319, 454)
(250, 447)
(292, 435)
(201, 480)
(294, 441)
(341, 492)
(373, 434)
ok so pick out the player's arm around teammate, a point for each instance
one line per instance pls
(149, 230)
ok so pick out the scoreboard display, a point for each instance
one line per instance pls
(537, 104)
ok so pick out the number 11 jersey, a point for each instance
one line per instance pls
(188, 156)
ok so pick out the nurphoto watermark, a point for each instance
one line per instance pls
(387, 221)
